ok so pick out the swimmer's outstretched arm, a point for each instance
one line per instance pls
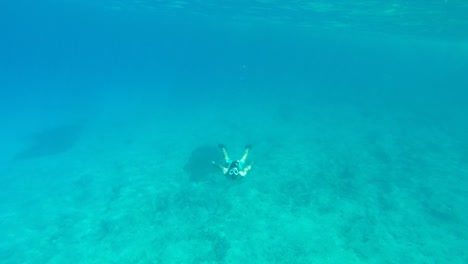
(221, 167)
(245, 170)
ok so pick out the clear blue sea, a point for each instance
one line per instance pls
(111, 112)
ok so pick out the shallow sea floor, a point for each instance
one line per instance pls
(330, 184)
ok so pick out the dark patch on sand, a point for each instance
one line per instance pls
(50, 142)
(199, 165)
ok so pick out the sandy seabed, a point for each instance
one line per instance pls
(328, 185)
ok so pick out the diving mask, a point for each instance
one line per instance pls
(234, 172)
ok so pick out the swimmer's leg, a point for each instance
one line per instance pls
(246, 153)
(226, 156)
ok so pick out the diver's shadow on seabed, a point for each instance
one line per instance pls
(199, 167)
(51, 142)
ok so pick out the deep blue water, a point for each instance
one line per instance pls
(111, 112)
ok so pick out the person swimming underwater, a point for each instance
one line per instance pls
(234, 169)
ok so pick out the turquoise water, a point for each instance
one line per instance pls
(111, 112)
